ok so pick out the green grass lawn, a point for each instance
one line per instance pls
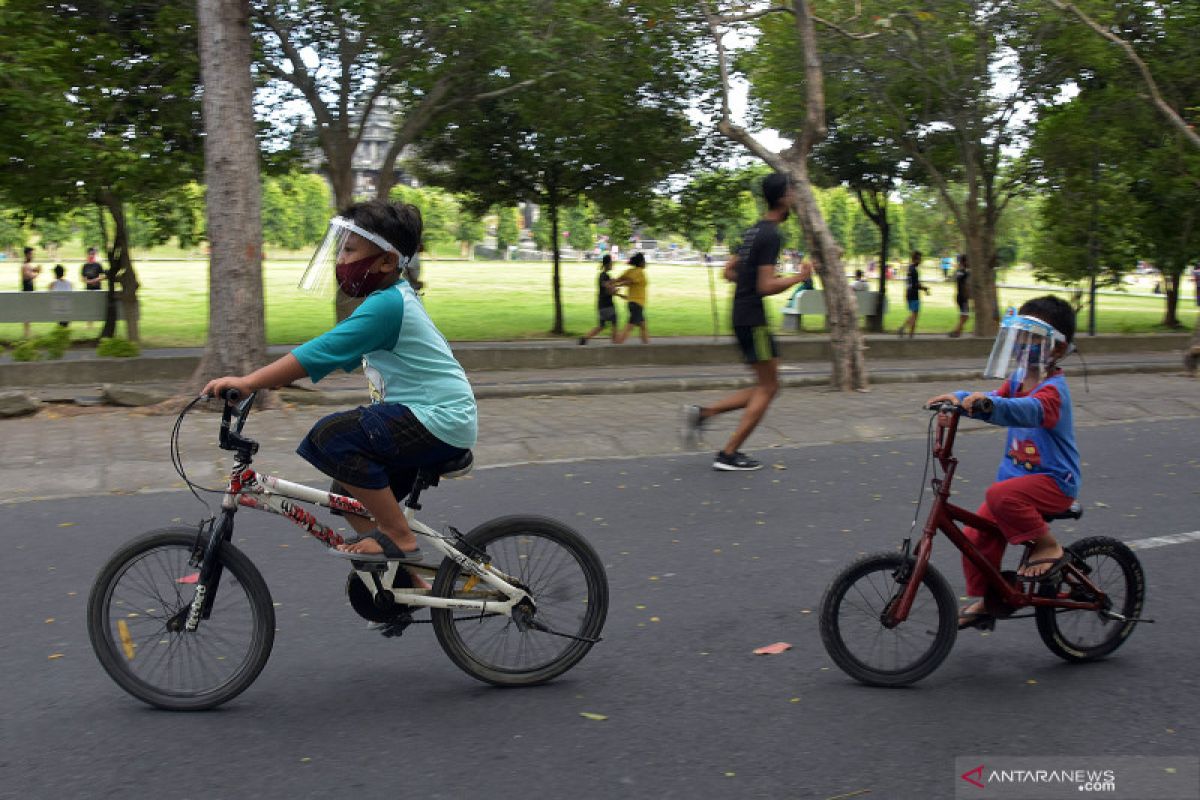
(512, 300)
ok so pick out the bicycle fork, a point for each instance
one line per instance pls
(205, 556)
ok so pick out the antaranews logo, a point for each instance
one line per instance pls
(1084, 780)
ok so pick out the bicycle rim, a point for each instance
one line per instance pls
(566, 581)
(162, 666)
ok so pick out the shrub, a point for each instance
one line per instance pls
(55, 343)
(117, 347)
(26, 350)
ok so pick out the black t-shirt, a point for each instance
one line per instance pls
(961, 293)
(912, 292)
(90, 270)
(760, 247)
(603, 297)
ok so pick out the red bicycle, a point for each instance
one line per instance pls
(889, 619)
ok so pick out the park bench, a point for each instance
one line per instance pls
(805, 302)
(46, 306)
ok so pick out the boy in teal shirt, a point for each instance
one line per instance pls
(422, 408)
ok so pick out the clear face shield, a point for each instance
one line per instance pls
(345, 258)
(1024, 348)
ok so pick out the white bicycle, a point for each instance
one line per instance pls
(182, 619)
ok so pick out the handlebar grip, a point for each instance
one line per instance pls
(984, 405)
(231, 395)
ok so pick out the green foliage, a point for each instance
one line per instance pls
(296, 208)
(507, 230)
(26, 350)
(54, 344)
(12, 232)
(117, 347)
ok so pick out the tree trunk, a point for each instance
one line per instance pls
(120, 272)
(236, 333)
(981, 263)
(845, 340)
(552, 206)
(1171, 283)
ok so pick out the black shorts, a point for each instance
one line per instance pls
(964, 307)
(637, 315)
(607, 316)
(373, 447)
(756, 343)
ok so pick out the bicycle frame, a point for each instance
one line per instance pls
(943, 517)
(249, 489)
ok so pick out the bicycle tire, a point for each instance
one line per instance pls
(513, 542)
(159, 554)
(870, 605)
(1061, 629)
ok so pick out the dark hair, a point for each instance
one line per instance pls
(398, 223)
(774, 187)
(916, 256)
(1055, 310)
(638, 260)
(606, 262)
(59, 270)
(858, 273)
(28, 251)
(91, 250)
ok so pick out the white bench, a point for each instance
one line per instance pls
(47, 306)
(806, 302)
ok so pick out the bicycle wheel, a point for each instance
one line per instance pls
(566, 580)
(856, 639)
(1088, 635)
(134, 615)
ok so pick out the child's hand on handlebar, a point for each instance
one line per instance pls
(933, 402)
(974, 399)
(214, 388)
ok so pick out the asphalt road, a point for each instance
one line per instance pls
(703, 567)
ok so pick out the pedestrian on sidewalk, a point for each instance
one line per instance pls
(962, 295)
(912, 294)
(92, 273)
(606, 309)
(422, 409)
(635, 279)
(754, 271)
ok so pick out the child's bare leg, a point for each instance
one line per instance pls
(1045, 549)
(364, 525)
(389, 518)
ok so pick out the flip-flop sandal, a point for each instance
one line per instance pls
(1051, 574)
(390, 551)
(975, 619)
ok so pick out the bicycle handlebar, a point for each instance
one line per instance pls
(983, 406)
(231, 395)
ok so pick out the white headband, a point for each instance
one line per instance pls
(375, 239)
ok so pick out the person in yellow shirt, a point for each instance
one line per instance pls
(635, 279)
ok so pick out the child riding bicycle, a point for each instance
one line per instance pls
(1039, 473)
(422, 408)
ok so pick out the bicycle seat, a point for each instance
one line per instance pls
(1074, 512)
(455, 467)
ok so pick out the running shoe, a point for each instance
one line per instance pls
(738, 462)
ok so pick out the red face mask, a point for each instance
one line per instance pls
(356, 279)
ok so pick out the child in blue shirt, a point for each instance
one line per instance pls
(422, 408)
(1039, 473)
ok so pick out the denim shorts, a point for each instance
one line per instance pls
(373, 447)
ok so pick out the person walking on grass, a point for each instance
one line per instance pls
(606, 310)
(912, 294)
(754, 271)
(635, 279)
(962, 295)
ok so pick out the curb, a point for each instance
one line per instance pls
(354, 397)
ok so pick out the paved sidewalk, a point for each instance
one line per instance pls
(70, 451)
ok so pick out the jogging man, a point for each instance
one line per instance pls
(754, 271)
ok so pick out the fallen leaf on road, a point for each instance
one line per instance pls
(66, 524)
(590, 715)
(53, 656)
(772, 649)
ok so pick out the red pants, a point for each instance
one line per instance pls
(1016, 506)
